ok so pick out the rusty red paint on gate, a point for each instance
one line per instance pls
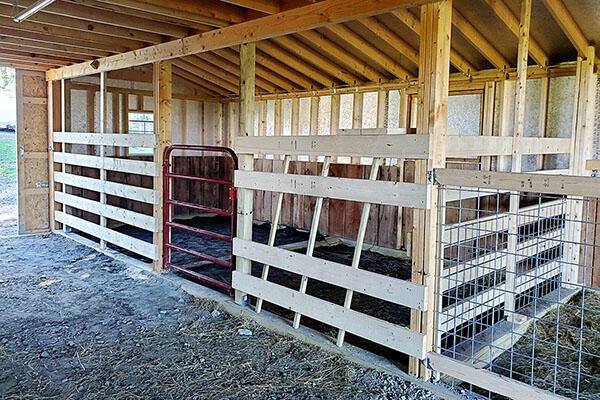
(169, 202)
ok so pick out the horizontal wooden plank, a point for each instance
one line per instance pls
(379, 331)
(113, 188)
(592, 165)
(488, 380)
(372, 131)
(383, 287)
(398, 146)
(523, 182)
(106, 139)
(137, 246)
(361, 190)
(129, 217)
(469, 146)
(113, 164)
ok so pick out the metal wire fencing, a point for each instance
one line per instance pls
(518, 291)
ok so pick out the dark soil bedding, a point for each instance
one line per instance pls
(76, 324)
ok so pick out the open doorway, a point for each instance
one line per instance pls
(8, 153)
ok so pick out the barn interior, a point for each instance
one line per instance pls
(442, 150)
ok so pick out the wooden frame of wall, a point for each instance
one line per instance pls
(430, 147)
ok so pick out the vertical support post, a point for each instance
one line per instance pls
(505, 122)
(162, 96)
(434, 70)
(489, 95)
(357, 118)
(102, 148)
(334, 120)
(519, 128)
(544, 92)
(51, 103)
(403, 123)
(314, 120)
(91, 149)
(277, 119)
(581, 150)
(246, 161)
(65, 125)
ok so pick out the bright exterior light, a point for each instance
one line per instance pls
(37, 6)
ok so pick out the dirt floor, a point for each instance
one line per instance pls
(76, 324)
(8, 184)
(536, 353)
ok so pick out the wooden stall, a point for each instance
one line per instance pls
(345, 117)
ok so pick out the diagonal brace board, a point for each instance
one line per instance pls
(273, 232)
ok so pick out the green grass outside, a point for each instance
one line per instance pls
(8, 158)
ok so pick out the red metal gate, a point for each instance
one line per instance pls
(168, 224)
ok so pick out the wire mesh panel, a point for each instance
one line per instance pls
(518, 291)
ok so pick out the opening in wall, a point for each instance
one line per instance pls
(140, 123)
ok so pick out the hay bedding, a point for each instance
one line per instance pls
(566, 354)
(78, 325)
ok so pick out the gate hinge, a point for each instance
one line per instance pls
(432, 178)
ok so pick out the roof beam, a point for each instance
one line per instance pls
(208, 85)
(313, 16)
(57, 34)
(266, 6)
(280, 54)
(86, 26)
(385, 33)
(362, 45)
(234, 69)
(28, 57)
(341, 55)
(206, 75)
(566, 22)
(32, 66)
(69, 9)
(283, 81)
(213, 12)
(35, 41)
(318, 60)
(470, 33)
(160, 17)
(42, 52)
(511, 21)
(414, 23)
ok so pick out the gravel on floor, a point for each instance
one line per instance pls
(76, 324)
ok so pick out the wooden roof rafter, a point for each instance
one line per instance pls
(483, 45)
(512, 22)
(101, 16)
(565, 20)
(414, 23)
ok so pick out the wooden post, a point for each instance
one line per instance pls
(357, 117)
(53, 106)
(246, 161)
(91, 149)
(102, 147)
(581, 150)
(334, 120)
(434, 67)
(162, 88)
(519, 128)
(314, 120)
(489, 95)
(544, 92)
